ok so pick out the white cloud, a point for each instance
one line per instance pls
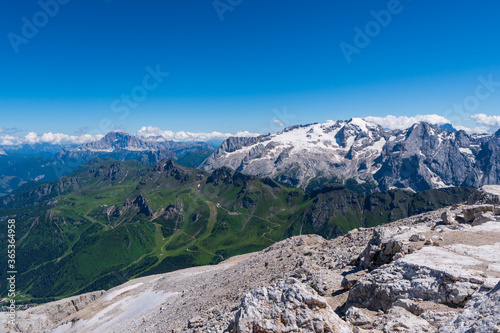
(279, 122)
(463, 128)
(403, 122)
(481, 129)
(59, 138)
(9, 140)
(481, 118)
(157, 134)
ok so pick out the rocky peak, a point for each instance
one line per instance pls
(226, 176)
(139, 204)
(170, 169)
(234, 143)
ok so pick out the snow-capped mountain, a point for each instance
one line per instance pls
(421, 157)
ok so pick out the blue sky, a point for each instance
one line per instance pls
(239, 65)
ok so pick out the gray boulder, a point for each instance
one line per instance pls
(471, 212)
(288, 306)
(480, 315)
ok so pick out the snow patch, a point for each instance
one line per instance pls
(110, 295)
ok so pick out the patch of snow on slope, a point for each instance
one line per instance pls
(127, 308)
(465, 151)
(114, 293)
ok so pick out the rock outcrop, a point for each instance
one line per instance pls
(482, 314)
(48, 317)
(288, 306)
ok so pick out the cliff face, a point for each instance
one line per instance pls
(437, 271)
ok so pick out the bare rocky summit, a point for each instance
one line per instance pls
(432, 272)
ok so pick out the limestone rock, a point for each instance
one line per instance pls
(417, 238)
(41, 319)
(480, 218)
(470, 212)
(409, 305)
(438, 319)
(398, 319)
(358, 317)
(480, 315)
(285, 307)
(196, 322)
(432, 274)
(488, 194)
(448, 217)
(350, 280)
(381, 249)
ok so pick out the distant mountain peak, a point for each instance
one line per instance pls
(448, 127)
(363, 124)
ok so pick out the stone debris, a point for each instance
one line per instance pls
(351, 279)
(196, 322)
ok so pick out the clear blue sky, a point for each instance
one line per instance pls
(229, 75)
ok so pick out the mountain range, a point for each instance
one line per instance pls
(126, 207)
(363, 154)
(109, 221)
(356, 153)
(44, 162)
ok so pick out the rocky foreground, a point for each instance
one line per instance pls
(435, 272)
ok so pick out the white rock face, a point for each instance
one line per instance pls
(288, 306)
(448, 217)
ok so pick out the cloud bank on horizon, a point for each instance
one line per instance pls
(485, 124)
(157, 134)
